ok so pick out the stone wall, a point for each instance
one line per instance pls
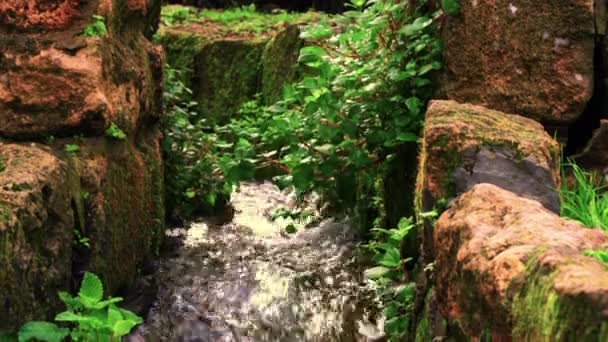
(499, 263)
(61, 174)
(226, 69)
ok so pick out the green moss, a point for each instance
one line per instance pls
(5, 213)
(280, 63)
(460, 127)
(3, 163)
(540, 314)
(243, 19)
(21, 187)
(422, 330)
(227, 73)
(181, 47)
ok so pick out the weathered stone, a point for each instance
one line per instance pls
(507, 265)
(125, 207)
(280, 63)
(55, 82)
(37, 218)
(464, 145)
(534, 58)
(59, 83)
(225, 69)
(226, 75)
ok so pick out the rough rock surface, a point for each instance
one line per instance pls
(124, 207)
(280, 62)
(533, 58)
(464, 145)
(37, 218)
(64, 89)
(226, 69)
(507, 265)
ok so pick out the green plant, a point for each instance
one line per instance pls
(71, 148)
(336, 130)
(585, 200)
(193, 178)
(81, 240)
(171, 15)
(97, 28)
(115, 132)
(398, 300)
(3, 161)
(387, 249)
(89, 317)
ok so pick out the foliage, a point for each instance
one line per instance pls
(334, 132)
(386, 249)
(171, 15)
(193, 179)
(398, 300)
(81, 240)
(585, 200)
(451, 7)
(115, 132)
(71, 148)
(339, 126)
(238, 19)
(97, 28)
(89, 316)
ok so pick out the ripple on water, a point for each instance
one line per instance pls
(247, 281)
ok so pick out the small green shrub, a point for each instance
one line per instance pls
(97, 28)
(71, 148)
(398, 301)
(171, 15)
(88, 317)
(115, 132)
(585, 201)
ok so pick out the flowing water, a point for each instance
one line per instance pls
(248, 280)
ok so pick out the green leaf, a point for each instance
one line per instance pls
(407, 137)
(376, 272)
(391, 258)
(316, 32)
(310, 54)
(91, 289)
(42, 331)
(122, 328)
(451, 7)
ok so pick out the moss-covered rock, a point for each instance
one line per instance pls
(37, 217)
(533, 58)
(226, 64)
(464, 145)
(280, 63)
(62, 83)
(58, 83)
(125, 206)
(227, 75)
(506, 266)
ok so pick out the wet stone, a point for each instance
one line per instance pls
(248, 281)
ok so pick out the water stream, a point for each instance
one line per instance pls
(248, 280)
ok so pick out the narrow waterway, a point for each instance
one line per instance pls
(249, 280)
